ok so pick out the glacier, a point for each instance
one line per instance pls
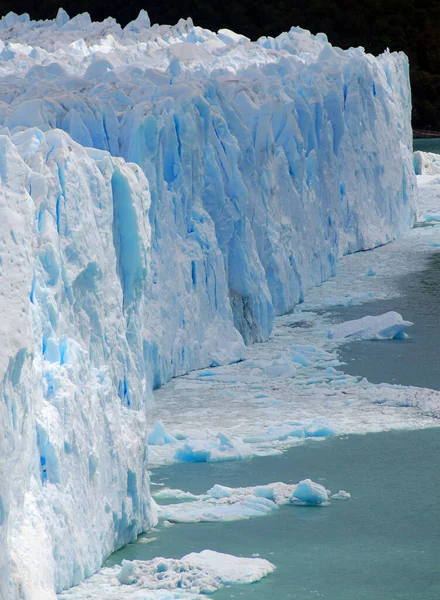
(165, 192)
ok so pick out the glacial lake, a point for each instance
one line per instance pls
(414, 361)
(383, 543)
(427, 145)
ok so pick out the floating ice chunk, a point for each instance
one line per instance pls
(388, 326)
(199, 572)
(172, 494)
(160, 436)
(187, 578)
(223, 504)
(221, 449)
(266, 491)
(310, 492)
(341, 495)
(371, 273)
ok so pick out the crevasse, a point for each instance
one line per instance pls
(165, 191)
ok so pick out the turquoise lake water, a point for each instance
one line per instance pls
(382, 544)
(414, 361)
(427, 145)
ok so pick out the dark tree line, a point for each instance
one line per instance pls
(409, 25)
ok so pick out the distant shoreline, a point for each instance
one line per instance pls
(423, 133)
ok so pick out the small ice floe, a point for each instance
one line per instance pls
(187, 578)
(199, 572)
(308, 492)
(341, 495)
(388, 326)
(222, 448)
(222, 503)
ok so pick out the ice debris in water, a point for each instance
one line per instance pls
(223, 448)
(198, 572)
(341, 495)
(169, 578)
(388, 326)
(308, 492)
(222, 503)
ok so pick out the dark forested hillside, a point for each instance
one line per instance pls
(408, 25)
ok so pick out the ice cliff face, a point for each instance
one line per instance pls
(164, 192)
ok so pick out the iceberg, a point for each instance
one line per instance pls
(389, 326)
(165, 191)
(308, 492)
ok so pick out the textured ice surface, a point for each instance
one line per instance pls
(222, 503)
(341, 495)
(159, 435)
(426, 163)
(168, 579)
(389, 326)
(427, 167)
(272, 413)
(164, 192)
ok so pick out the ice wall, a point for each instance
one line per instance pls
(164, 192)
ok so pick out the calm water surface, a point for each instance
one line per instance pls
(414, 361)
(384, 543)
(427, 145)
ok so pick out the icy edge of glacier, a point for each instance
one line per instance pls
(165, 190)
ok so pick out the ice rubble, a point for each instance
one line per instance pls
(165, 191)
(389, 326)
(222, 503)
(188, 578)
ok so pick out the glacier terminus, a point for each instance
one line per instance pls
(165, 193)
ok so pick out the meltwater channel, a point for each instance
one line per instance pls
(383, 543)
